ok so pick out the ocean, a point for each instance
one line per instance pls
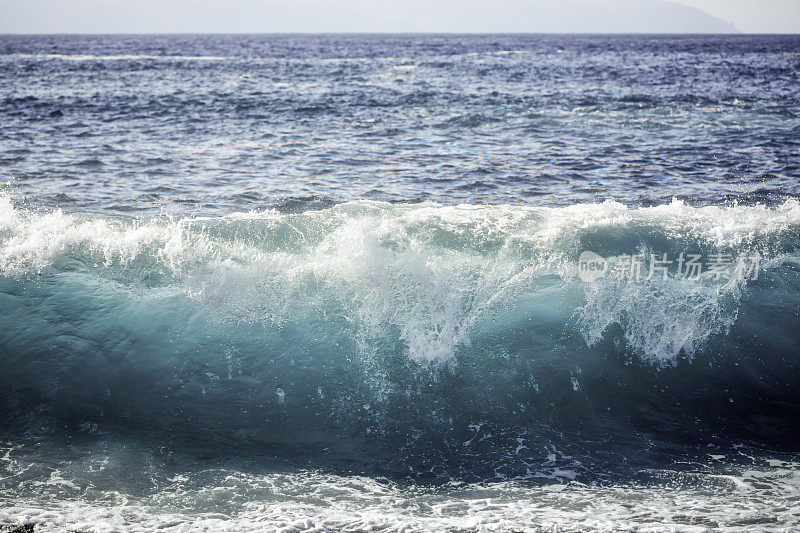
(399, 283)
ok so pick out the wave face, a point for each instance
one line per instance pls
(420, 339)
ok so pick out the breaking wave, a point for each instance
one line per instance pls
(399, 327)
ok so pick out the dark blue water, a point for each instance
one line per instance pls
(253, 282)
(220, 124)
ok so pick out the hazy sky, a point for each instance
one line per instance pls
(232, 16)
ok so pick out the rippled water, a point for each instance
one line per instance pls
(218, 124)
(293, 283)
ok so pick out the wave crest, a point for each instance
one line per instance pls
(422, 274)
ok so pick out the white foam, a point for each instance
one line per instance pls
(313, 502)
(428, 272)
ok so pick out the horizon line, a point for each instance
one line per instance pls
(736, 33)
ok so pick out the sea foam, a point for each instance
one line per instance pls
(426, 273)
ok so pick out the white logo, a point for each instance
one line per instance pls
(591, 267)
(640, 267)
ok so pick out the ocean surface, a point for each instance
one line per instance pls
(337, 283)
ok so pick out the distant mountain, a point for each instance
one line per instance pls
(571, 16)
(256, 16)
